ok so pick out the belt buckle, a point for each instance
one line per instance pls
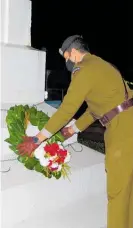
(104, 120)
(120, 107)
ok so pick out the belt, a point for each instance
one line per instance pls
(107, 117)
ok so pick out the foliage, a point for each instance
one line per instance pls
(17, 119)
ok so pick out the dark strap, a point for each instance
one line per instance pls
(126, 92)
(112, 113)
(115, 111)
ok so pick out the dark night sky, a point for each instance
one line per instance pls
(104, 26)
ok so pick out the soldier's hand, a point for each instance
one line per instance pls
(67, 132)
(27, 146)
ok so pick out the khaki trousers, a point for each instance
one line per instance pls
(119, 168)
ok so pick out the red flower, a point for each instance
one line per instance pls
(50, 163)
(60, 160)
(62, 153)
(52, 149)
(53, 169)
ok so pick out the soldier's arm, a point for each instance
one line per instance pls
(78, 90)
(83, 122)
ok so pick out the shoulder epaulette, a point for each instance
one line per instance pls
(75, 69)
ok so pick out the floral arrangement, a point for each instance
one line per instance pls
(53, 158)
(50, 158)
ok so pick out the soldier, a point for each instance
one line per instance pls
(109, 99)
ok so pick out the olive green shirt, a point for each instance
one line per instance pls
(95, 81)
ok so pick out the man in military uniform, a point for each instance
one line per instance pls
(109, 99)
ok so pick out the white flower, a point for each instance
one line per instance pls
(60, 146)
(39, 153)
(67, 159)
(59, 168)
(54, 165)
(43, 144)
(44, 161)
(52, 158)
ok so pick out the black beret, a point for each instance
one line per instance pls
(66, 44)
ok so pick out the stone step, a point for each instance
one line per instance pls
(88, 212)
(25, 192)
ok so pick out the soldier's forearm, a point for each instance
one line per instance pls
(83, 122)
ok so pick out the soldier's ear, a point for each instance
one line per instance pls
(66, 55)
(73, 51)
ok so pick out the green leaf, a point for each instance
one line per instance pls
(14, 141)
(52, 139)
(26, 107)
(38, 168)
(49, 175)
(59, 137)
(8, 140)
(15, 137)
(12, 108)
(57, 175)
(22, 159)
(33, 111)
(10, 116)
(42, 117)
(22, 114)
(29, 166)
(34, 121)
(13, 148)
(47, 172)
(41, 125)
(17, 112)
(16, 131)
(20, 126)
(30, 163)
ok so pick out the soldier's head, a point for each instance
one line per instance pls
(73, 49)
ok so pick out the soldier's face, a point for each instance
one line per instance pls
(70, 55)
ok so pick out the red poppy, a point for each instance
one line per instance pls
(60, 160)
(62, 153)
(52, 149)
(53, 169)
(50, 163)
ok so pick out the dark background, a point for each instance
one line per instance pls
(105, 25)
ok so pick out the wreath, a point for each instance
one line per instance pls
(50, 158)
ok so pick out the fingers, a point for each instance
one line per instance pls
(27, 139)
(26, 148)
(22, 149)
(66, 132)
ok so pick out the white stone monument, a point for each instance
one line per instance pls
(22, 67)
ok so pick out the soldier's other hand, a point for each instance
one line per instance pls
(67, 132)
